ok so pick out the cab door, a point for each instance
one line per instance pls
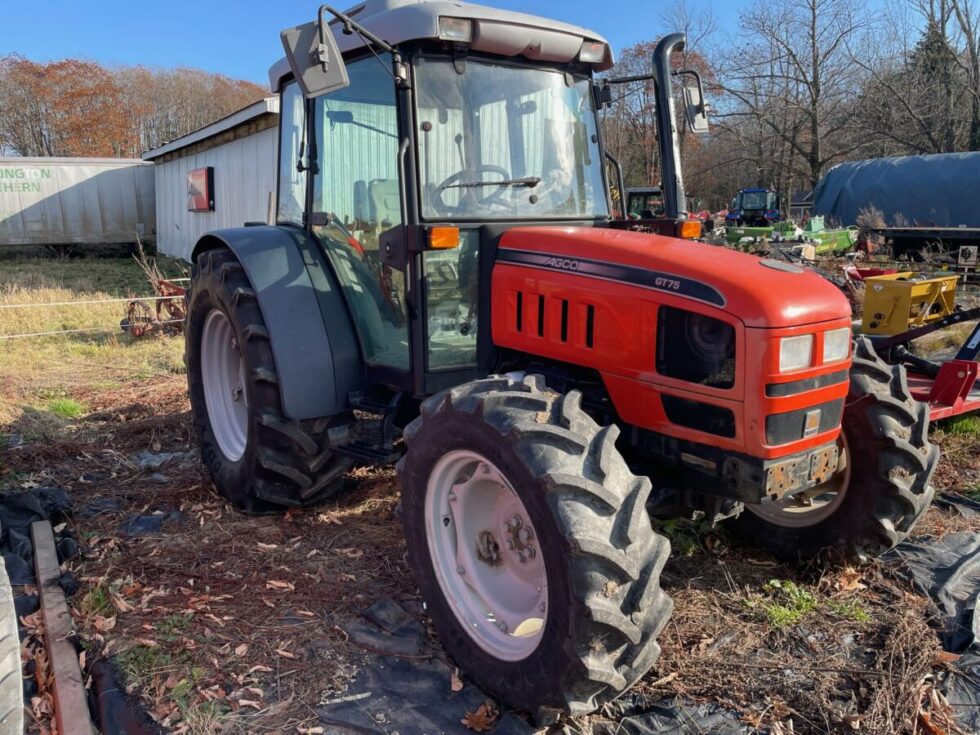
(356, 202)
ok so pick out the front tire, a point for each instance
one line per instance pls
(884, 482)
(258, 459)
(509, 487)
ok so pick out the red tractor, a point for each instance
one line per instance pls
(445, 288)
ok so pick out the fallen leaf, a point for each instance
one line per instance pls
(241, 650)
(121, 605)
(455, 683)
(278, 584)
(850, 579)
(267, 547)
(260, 667)
(286, 654)
(945, 657)
(104, 625)
(482, 719)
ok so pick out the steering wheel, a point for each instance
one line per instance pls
(472, 193)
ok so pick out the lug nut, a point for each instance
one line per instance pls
(510, 544)
(503, 626)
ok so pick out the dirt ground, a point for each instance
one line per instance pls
(219, 622)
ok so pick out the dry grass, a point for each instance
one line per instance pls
(35, 372)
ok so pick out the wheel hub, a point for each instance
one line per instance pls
(483, 548)
(519, 538)
(223, 376)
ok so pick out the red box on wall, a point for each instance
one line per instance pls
(200, 190)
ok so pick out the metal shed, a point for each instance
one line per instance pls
(75, 201)
(222, 175)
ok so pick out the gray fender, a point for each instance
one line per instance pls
(317, 356)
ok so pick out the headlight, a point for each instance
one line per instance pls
(795, 353)
(836, 345)
(459, 30)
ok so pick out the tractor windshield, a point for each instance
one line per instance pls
(758, 200)
(499, 141)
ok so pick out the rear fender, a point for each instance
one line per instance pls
(314, 346)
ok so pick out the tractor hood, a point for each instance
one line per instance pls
(762, 293)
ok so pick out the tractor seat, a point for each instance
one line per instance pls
(384, 202)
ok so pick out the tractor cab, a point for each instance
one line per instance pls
(644, 202)
(754, 208)
(431, 131)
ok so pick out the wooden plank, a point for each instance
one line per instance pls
(70, 703)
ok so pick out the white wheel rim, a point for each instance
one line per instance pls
(486, 555)
(225, 392)
(814, 506)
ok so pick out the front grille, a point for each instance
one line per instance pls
(780, 390)
(783, 428)
(695, 348)
(705, 417)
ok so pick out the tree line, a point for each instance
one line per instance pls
(801, 85)
(80, 108)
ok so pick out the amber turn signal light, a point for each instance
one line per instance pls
(443, 238)
(689, 230)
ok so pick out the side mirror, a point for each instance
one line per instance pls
(311, 51)
(695, 109)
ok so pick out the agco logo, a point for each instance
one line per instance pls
(564, 264)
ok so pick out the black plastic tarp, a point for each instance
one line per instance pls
(948, 571)
(940, 190)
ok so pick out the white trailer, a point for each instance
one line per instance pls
(76, 201)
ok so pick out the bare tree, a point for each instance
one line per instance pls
(967, 13)
(794, 78)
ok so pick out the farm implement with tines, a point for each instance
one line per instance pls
(162, 314)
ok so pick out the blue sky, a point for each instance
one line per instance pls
(241, 39)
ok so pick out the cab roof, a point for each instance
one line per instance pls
(500, 32)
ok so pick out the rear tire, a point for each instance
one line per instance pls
(891, 464)
(258, 459)
(603, 606)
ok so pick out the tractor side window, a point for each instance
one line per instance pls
(292, 181)
(451, 299)
(357, 197)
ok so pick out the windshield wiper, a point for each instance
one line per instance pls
(529, 181)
